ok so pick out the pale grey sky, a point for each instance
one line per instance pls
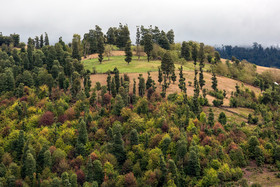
(213, 22)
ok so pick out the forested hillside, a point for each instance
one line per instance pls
(269, 56)
(58, 128)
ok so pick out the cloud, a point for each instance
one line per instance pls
(212, 22)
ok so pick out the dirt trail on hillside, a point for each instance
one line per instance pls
(223, 83)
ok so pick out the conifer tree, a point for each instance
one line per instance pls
(173, 170)
(141, 85)
(173, 77)
(117, 79)
(97, 172)
(222, 118)
(211, 118)
(89, 171)
(30, 165)
(194, 53)
(214, 82)
(109, 82)
(182, 84)
(65, 179)
(47, 159)
(100, 47)
(201, 79)
(148, 45)
(73, 180)
(201, 54)
(134, 86)
(40, 158)
(118, 148)
(113, 87)
(119, 104)
(149, 82)
(163, 169)
(134, 137)
(167, 64)
(76, 46)
(259, 156)
(20, 144)
(47, 39)
(128, 52)
(193, 165)
(159, 75)
(41, 41)
(138, 43)
(83, 135)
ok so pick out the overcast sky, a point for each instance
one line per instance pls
(214, 22)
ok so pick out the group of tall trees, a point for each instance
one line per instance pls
(264, 56)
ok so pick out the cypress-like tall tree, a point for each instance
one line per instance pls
(173, 77)
(128, 52)
(47, 39)
(141, 85)
(211, 118)
(118, 148)
(193, 165)
(89, 171)
(41, 41)
(134, 86)
(194, 53)
(117, 79)
(214, 82)
(20, 144)
(76, 46)
(159, 75)
(148, 45)
(201, 78)
(30, 165)
(134, 137)
(182, 84)
(149, 82)
(167, 64)
(109, 83)
(100, 47)
(98, 173)
(83, 135)
(113, 87)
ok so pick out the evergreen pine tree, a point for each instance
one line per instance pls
(211, 118)
(117, 79)
(149, 82)
(214, 82)
(30, 165)
(20, 144)
(113, 87)
(134, 137)
(173, 77)
(167, 64)
(82, 131)
(159, 75)
(97, 172)
(182, 84)
(100, 47)
(109, 82)
(128, 52)
(193, 165)
(148, 45)
(89, 171)
(141, 85)
(134, 86)
(118, 148)
(47, 159)
(201, 79)
(41, 41)
(194, 53)
(73, 180)
(47, 39)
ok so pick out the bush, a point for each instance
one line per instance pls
(218, 103)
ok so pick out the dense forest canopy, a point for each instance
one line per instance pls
(269, 56)
(59, 129)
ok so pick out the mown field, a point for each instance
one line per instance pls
(135, 66)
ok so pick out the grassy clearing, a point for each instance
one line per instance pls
(134, 66)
